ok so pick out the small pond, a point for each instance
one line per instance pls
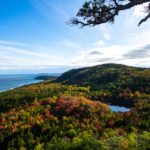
(119, 108)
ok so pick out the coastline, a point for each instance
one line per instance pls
(21, 85)
(13, 81)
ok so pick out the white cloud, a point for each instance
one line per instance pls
(71, 44)
(26, 52)
(105, 31)
(99, 43)
(133, 38)
(139, 10)
(29, 67)
(11, 54)
(61, 11)
(47, 8)
(12, 43)
(107, 36)
(115, 54)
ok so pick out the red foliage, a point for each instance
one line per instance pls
(111, 123)
(99, 127)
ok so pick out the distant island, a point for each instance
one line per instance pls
(47, 76)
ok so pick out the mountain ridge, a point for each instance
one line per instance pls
(95, 76)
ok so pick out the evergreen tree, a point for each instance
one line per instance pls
(95, 12)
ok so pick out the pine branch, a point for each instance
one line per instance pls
(97, 12)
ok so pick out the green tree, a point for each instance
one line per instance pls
(118, 143)
(144, 141)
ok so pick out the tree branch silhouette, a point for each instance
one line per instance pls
(96, 12)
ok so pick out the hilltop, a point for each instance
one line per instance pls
(108, 76)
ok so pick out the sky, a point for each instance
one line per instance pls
(35, 38)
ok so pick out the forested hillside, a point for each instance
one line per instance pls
(109, 77)
(122, 85)
(74, 113)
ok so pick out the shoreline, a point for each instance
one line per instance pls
(35, 79)
(38, 81)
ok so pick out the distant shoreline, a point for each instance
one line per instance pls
(38, 81)
(10, 82)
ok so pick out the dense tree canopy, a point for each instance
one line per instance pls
(64, 116)
(95, 12)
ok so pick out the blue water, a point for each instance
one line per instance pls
(119, 108)
(8, 82)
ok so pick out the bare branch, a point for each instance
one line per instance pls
(144, 19)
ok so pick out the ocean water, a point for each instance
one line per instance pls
(8, 82)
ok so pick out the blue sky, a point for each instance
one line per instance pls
(34, 38)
